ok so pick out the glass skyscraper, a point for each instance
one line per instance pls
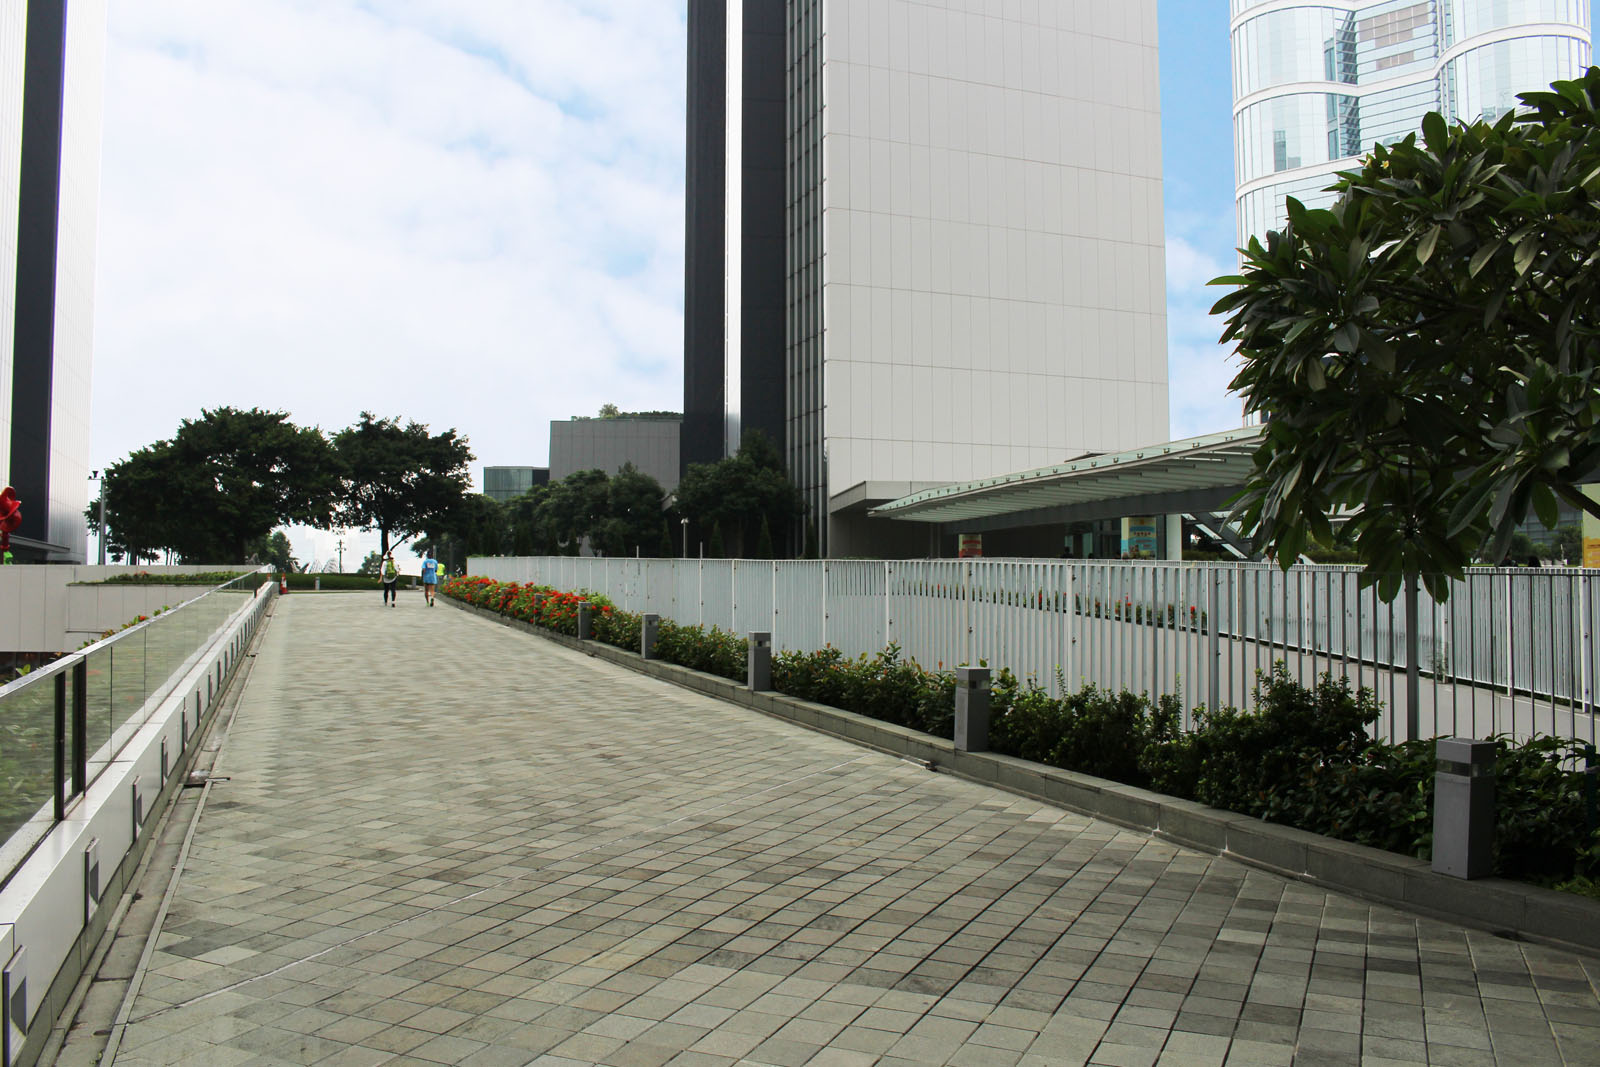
(1317, 83)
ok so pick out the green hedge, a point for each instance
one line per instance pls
(336, 582)
(146, 578)
(1301, 756)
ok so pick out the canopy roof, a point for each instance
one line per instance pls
(1214, 462)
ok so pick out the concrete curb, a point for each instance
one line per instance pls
(1500, 906)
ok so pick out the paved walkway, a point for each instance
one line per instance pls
(446, 842)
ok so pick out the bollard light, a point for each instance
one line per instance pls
(649, 634)
(758, 662)
(585, 620)
(1463, 808)
(972, 709)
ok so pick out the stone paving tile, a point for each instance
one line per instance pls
(445, 842)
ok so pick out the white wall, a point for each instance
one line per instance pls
(993, 248)
(41, 610)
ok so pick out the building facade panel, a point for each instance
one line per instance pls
(650, 444)
(1033, 206)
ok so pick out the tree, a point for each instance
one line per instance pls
(372, 566)
(400, 480)
(273, 549)
(222, 482)
(633, 512)
(575, 509)
(480, 527)
(737, 493)
(1425, 352)
(530, 535)
(610, 411)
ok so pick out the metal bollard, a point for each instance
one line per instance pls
(972, 709)
(649, 633)
(1463, 808)
(585, 620)
(758, 662)
(316, 584)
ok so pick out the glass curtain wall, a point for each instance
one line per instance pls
(1317, 84)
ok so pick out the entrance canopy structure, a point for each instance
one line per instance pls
(1189, 477)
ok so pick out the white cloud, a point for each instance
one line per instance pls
(465, 214)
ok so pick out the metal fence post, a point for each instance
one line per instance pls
(80, 726)
(1213, 626)
(1413, 675)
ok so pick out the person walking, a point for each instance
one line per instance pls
(430, 576)
(391, 580)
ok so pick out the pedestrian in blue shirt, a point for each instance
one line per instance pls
(430, 576)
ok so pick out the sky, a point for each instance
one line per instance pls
(469, 213)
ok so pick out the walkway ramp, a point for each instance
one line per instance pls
(432, 839)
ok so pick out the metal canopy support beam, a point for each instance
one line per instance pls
(1171, 503)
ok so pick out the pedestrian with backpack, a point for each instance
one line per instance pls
(391, 580)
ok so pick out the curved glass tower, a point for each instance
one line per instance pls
(1316, 83)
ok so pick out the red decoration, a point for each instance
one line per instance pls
(10, 516)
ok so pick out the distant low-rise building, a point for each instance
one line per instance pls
(648, 441)
(507, 483)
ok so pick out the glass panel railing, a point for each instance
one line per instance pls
(100, 672)
(27, 751)
(124, 677)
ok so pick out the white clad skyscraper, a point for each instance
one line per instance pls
(924, 242)
(1317, 83)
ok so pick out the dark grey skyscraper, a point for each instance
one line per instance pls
(52, 63)
(734, 270)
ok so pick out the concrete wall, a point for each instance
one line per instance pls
(651, 445)
(41, 610)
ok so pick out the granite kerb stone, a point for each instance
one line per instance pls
(1501, 906)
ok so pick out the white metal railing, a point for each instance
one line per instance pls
(1510, 651)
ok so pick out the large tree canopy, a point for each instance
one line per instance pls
(1425, 352)
(400, 480)
(222, 483)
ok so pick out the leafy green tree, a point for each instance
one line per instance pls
(530, 535)
(275, 550)
(1567, 544)
(633, 512)
(480, 527)
(576, 508)
(1425, 352)
(400, 480)
(764, 540)
(372, 566)
(222, 482)
(738, 493)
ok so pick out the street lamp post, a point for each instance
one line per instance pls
(97, 476)
(684, 522)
